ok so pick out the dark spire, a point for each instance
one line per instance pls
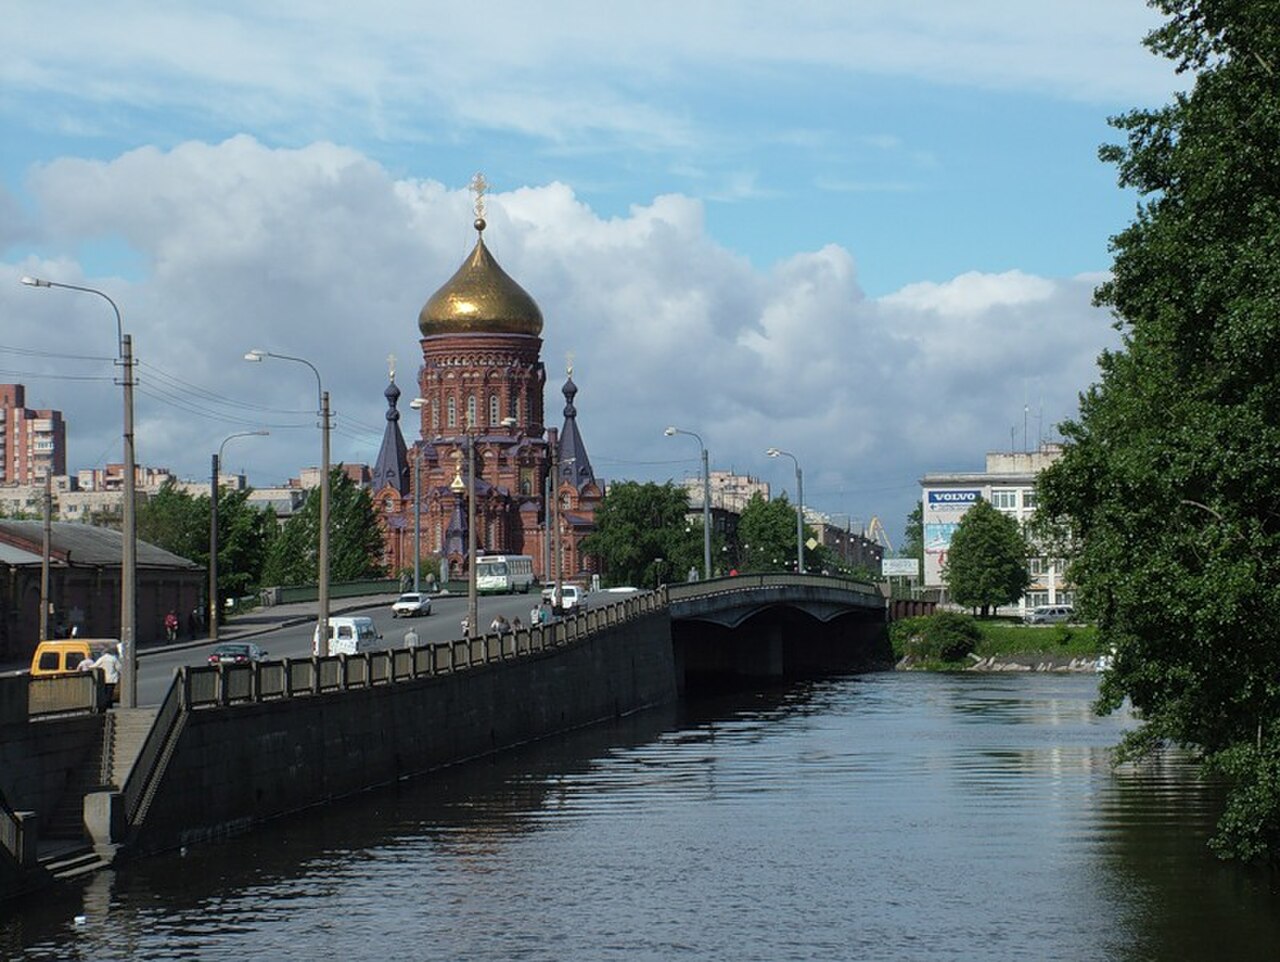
(575, 466)
(392, 467)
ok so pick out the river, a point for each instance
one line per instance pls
(889, 816)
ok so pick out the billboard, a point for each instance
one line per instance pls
(900, 567)
(942, 510)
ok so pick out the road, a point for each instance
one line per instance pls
(156, 667)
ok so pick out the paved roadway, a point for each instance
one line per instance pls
(157, 665)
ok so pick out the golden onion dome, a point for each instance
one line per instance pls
(480, 298)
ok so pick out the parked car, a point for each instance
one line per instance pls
(63, 656)
(236, 653)
(412, 603)
(1050, 615)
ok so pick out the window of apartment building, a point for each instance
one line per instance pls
(1036, 567)
(1037, 598)
(1005, 499)
(1029, 498)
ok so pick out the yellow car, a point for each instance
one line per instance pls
(63, 657)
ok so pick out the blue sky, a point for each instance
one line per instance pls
(863, 231)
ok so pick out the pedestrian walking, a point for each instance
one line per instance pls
(411, 638)
(171, 625)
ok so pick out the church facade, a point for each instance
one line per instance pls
(479, 411)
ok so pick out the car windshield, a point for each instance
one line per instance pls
(232, 650)
(409, 598)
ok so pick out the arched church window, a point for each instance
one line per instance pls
(435, 415)
(493, 409)
(453, 412)
(471, 411)
(519, 419)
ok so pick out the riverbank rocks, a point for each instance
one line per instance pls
(1029, 662)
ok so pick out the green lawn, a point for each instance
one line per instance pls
(1004, 638)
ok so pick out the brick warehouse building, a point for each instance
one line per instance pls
(480, 389)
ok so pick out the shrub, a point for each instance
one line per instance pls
(945, 636)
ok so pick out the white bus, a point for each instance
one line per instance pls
(504, 574)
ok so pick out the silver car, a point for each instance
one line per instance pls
(1050, 615)
(413, 603)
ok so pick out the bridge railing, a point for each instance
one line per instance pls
(699, 589)
(214, 686)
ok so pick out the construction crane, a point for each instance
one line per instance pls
(875, 532)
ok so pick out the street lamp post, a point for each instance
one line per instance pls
(214, 610)
(776, 452)
(128, 553)
(458, 487)
(322, 619)
(417, 404)
(706, 500)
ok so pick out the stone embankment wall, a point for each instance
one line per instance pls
(236, 765)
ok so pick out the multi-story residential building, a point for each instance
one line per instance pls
(33, 444)
(851, 547)
(1008, 483)
(729, 491)
(110, 477)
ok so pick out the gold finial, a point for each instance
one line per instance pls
(568, 366)
(391, 366)
(479, 187)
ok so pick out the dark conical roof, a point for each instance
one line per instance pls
(392, 467)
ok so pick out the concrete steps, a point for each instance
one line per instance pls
(127, 729)
(73, 862)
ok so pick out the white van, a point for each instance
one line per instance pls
(348, 636)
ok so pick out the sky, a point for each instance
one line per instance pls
(863, 231)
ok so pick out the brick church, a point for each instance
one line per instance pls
(479, 407)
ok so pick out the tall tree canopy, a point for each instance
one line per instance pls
(987, 561)
(178, 521)
(643, 534)
(767, 537)
(1167, 490)
(355, 541)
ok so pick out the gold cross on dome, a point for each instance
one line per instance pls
(479, 186)
(568, 366)
(391, 366)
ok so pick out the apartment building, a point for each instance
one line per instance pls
(33, 443)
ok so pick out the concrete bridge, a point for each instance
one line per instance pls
(231, 746)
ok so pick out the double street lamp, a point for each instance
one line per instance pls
(214, 608)
(417, 404)
(128, 559)
(322, 619)
(706, 500)
(778, 452)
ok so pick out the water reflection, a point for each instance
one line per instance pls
(889, 816)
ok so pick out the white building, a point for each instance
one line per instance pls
(1008, 483)
(728, 490)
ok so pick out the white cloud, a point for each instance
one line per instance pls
(321, 253)
(559, 71)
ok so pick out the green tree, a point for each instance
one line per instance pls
(913, 542)
(172, 519)
(355, 540)
(767, 537)
(987, 561)
(178, 521)
(643, 535)
(245, 534)
(1166, 491)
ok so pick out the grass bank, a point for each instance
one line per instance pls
(1003, 638)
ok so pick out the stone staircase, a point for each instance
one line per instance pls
(65, 851)
(107, 765)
